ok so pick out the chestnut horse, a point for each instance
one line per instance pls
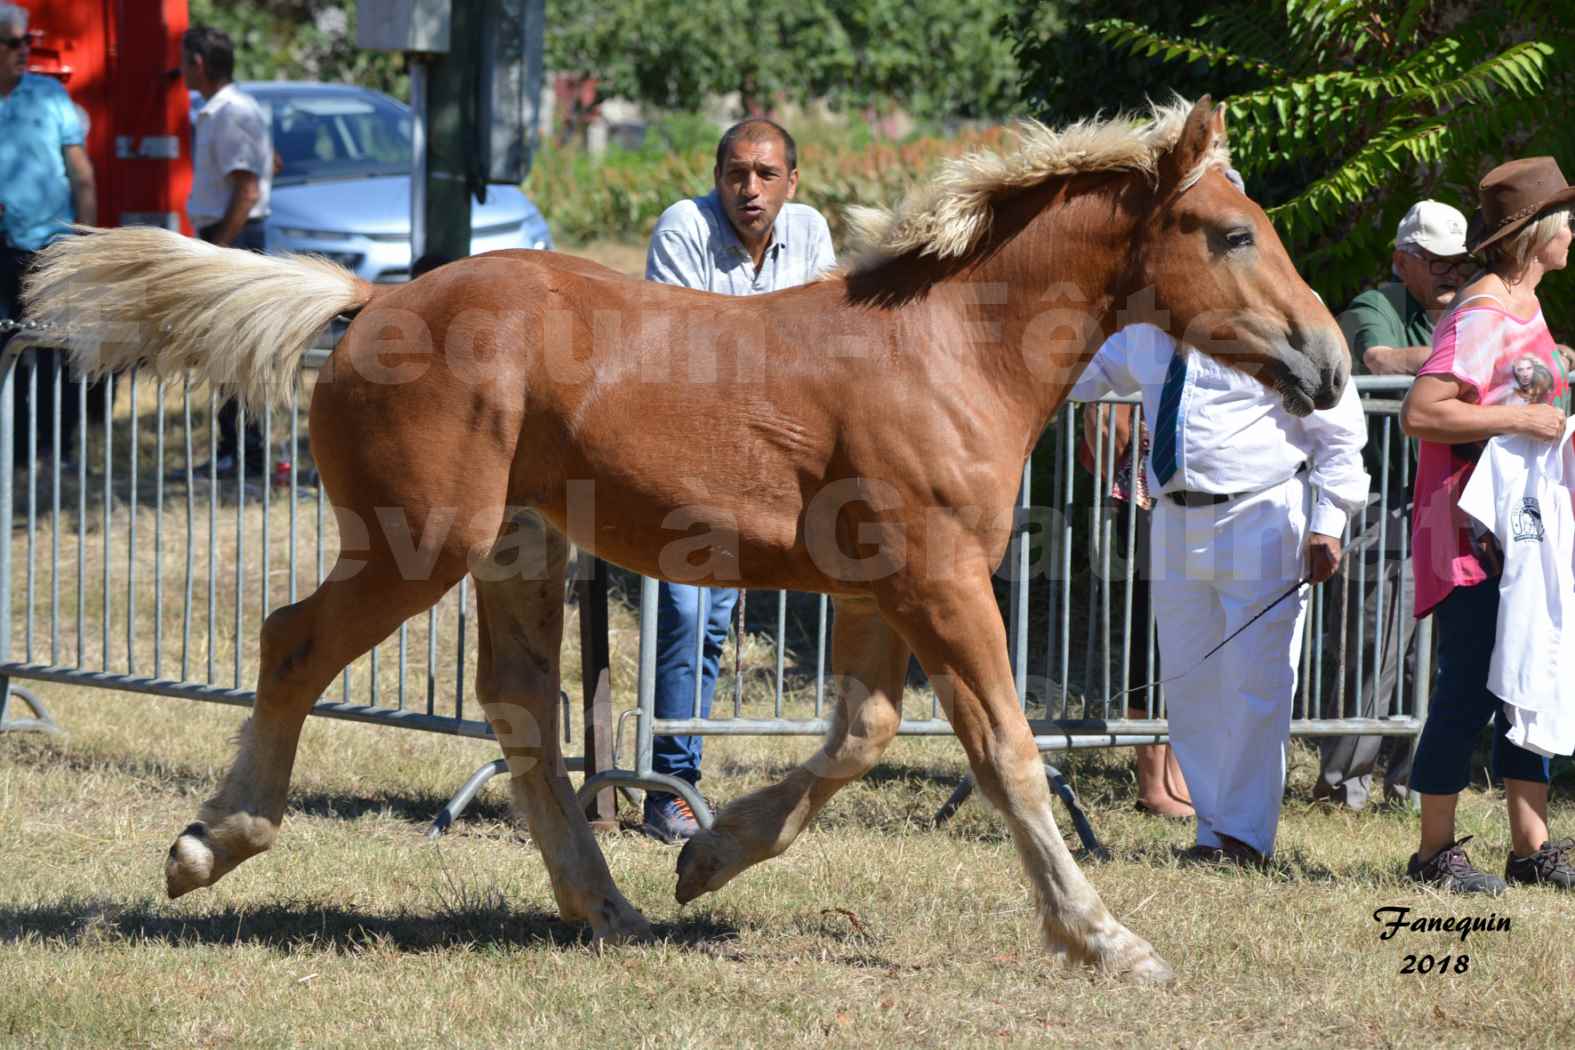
(861, 436)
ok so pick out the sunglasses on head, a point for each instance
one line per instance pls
(15, 43)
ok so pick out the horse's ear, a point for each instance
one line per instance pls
(1205, 126)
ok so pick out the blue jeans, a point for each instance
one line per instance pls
(1461, 703)
(677, 632)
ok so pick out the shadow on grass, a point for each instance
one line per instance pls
(292, 926)
(418, 808)
(56, 753)
(414, 808)
(1293, 865)
(906, 775)
(885, 773)
(1103, 780)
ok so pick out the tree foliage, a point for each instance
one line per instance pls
(1068, 74)
(937, 58)
(1348, 111)
(302, 40)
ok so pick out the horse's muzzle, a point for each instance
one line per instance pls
(1315, 369)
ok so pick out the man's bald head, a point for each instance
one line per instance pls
(756, 129)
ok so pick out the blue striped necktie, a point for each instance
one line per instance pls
(1167, 421)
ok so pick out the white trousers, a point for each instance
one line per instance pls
(1215, 568)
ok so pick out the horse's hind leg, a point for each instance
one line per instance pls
(870, 662)
(303, 647)
(520, 594)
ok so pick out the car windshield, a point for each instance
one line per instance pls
(332, 136)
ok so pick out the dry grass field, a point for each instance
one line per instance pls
(876, 930)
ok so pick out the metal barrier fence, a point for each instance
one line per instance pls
(1069, 687)
(135, 567)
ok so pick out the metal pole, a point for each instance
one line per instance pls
(643, 739)
(1018, 559)
(7, 483)
(418, 167)
(596, 674)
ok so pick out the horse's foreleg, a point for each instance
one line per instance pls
(959, 638)
(520, 595)
(303, 647)
(869, 663)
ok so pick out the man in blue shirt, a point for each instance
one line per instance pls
(745, 237)
(46, 183)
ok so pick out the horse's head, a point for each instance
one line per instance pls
(1219, 279)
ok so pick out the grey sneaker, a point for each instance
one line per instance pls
(668, 818)
(1549, 864)
(1450, 869)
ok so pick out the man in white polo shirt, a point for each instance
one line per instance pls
(232, 173)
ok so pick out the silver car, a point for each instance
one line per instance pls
(342, 185)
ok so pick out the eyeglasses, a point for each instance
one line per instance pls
(1438, 266)
(15, 43)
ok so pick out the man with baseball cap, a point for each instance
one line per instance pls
(1390, 327)
(1390, 332)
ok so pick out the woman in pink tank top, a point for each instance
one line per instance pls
(1494, 370)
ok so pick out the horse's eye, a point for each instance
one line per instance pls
(1241, 238)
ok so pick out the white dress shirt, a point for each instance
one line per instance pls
(1235, 435)
(231, 134)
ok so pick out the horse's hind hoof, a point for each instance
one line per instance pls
(621, 923)
(634, 932)
(191, 862)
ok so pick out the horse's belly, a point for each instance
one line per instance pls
(707, 542)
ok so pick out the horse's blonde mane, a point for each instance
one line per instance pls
(950, 215)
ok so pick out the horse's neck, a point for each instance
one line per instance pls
(1059, 277)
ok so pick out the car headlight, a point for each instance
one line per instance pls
(540, 244)
(349, 260)
(297, 234)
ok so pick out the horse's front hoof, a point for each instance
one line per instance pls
(191, 863)
(1137, 962)
(706, 864)
(1150, 969)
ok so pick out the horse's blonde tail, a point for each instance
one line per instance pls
(145, 296)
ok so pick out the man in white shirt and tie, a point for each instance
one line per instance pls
(1249, 501)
